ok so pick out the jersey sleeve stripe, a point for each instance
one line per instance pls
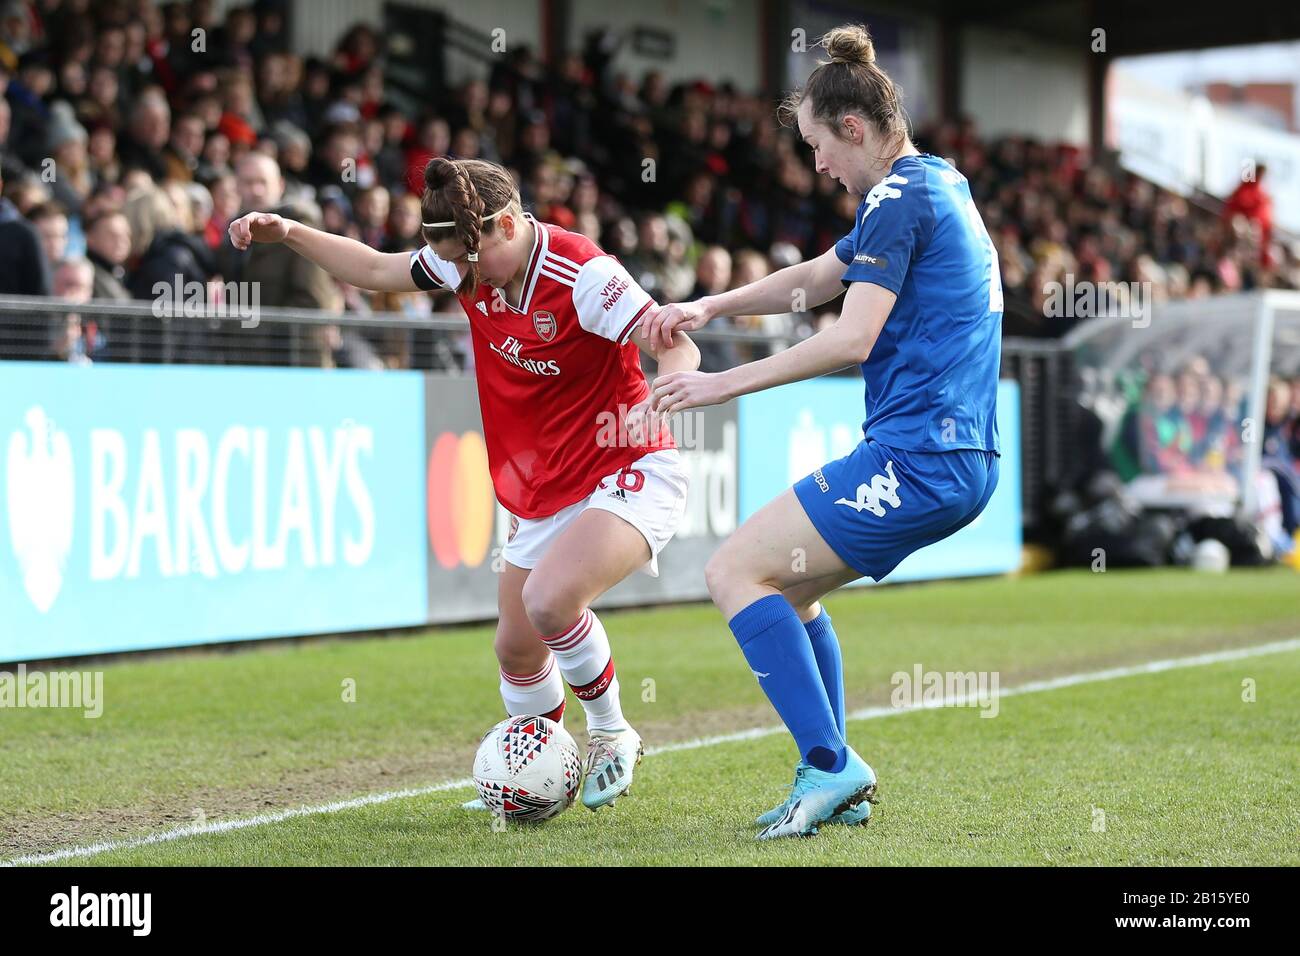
(563, 258)
(632, 324)
(421, 277)
(562, 265)
(559, 277)
(428, 270)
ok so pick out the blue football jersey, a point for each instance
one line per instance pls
(932, 377)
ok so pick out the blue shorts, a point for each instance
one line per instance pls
(877, 505)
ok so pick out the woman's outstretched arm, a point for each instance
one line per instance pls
(353, 262)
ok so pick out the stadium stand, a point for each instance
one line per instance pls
(157, 148)
(137, 125)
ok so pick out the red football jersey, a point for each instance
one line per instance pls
(556, 372)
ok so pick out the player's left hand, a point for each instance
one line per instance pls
(681, 390)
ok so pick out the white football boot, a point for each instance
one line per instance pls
(612, 755)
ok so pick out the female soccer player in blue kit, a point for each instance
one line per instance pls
(923, 317)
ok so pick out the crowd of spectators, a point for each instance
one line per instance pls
(132, 132)
(1184, 424)
(1189, 429)
(1281, 450)
(1058, 220)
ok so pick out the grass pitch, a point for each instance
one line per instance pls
(1179, 766)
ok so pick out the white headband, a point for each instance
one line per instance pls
(473, 256)
(441, 225)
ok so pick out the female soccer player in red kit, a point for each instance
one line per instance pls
(552, 319)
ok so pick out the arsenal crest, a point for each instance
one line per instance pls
(544, 323)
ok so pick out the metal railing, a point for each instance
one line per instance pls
(34, 328)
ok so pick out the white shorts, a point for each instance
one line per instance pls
(649, 494)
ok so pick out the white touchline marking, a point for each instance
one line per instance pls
(754, 733)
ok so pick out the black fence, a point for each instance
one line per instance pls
(1054, 449)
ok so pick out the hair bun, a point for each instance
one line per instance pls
(439, 172)
(850, 44)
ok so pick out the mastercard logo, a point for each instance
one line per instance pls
(460, 503)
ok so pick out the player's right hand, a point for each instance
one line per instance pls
(644, 426)
(258, 227)
(686, 316)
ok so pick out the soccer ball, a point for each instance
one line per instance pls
(527, 769)
(1212, 555)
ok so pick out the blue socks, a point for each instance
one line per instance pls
(780, 654)
(826, 648)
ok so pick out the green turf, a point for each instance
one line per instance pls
(1184, 771)
(1181, 769)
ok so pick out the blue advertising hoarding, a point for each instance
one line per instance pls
(787, 432)
(145, 507)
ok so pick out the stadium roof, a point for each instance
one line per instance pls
(1136, 26)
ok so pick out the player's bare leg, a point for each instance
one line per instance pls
(531, 684)
(592, 555)
(774, 551)
(806, 597)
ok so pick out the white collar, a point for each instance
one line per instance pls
(535, 258)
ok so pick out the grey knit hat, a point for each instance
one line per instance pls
(63, 126)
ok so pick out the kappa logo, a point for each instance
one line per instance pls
(39, 479)
(883, 190)
(882, 489)
(544, 324)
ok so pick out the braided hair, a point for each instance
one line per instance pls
(467, 195)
